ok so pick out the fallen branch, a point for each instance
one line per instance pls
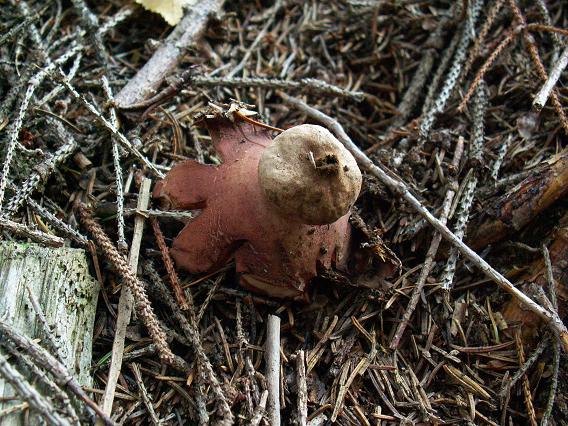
(37, 236)
(151, 75)
(546, 184)
(260, 410)
(188, 78)
(400, 189)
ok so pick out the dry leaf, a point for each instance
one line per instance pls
(171, 10)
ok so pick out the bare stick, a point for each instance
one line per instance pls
(259, 410)
(147, 79)
(543, 94)
(400, 189)
(537, 61)
(272, 357)
(126, 301)
(302, 388)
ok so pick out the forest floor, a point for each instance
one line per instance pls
(447, 97)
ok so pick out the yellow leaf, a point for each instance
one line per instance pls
(171, 10)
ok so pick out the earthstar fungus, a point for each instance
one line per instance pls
(280, 207)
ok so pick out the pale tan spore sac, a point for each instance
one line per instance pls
(308, 174)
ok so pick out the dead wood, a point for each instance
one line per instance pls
(520, 205)
(168, 55)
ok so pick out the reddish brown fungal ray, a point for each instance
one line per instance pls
(274, 255)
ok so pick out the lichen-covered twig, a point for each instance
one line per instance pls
(50, 339)
(59, 400)
(442, 63)
(42, 171)
(400, 189)
(61, 226)
(305, 85)
(123, 140)
(16, 29)
(466, 202)
(15, 128)
(29, 394)
(59, 371)
(122, 245)
(91, 23)
(188, 78)
(492, 14)
(503, 148)
(37, 236)
(455, 70)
